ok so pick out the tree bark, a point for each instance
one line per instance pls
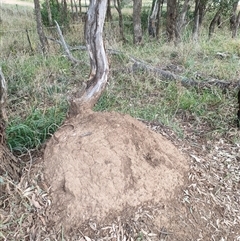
(137, 28)
(234, 19)
(233, 16)
(181, 20)
(213, 22)
(153, 19)
(171, 19)
(96, 84)
(117, 5)
(42, 37)
(109, 13)
(199, 12)
(49, 13)
(234, 31)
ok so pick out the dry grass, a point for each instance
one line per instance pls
(211, 195)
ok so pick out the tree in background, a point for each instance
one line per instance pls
(109, 13)
(154, 18)
(117, 5)
(41, 35)
(234, 19)
(171, 19)
(137, 26)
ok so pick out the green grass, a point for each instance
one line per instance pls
(38, 86)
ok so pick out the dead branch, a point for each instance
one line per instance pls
(65, 46)
(187, 82)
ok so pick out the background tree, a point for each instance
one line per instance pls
(49, 12)
(181, 19)
(154, 18)
(117, 5)
(42, 37)
(109, 12)
(171, 19)
(137, 26)
(234, 18)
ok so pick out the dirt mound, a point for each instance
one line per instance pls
(101, 163)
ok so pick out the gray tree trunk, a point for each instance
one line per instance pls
(49, 13)
(117, 5)
(171, 19)
(181, 20)
(153, 19)
(213, 22)
(42, 37)
(93, 88)
(137, 27)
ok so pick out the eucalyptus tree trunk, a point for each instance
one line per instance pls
(42, 37)
(199, 12)
(233, 16)
(153, 21)
(214, 22)
(171, 19)
(50, 21)
(117, 5)
(137, 27)
(76, 10)
(109, 13)
(237, 23)
(181, 20)
(234, 19)
(93, 88)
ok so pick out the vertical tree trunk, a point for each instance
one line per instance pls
(76, 10)
(49, 13)
(171, 19)
(159, 14)
(42, 37)
(195, 31)
(117, 5)
(109, 13)
(234, 31)
(199, 12)
(233, 16)
(94, 87)
(80, 7)
(181, 20)
(213, 22)
(152, 21)
(137, 27)
(72, 10)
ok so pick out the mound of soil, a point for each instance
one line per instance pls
(100, 164)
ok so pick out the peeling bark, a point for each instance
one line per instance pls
(93, 88)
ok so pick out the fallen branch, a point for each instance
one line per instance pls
(139, 65)
(167, 75)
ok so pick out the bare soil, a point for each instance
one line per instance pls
(102, 166)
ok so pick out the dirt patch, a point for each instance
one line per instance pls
(104, 164)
